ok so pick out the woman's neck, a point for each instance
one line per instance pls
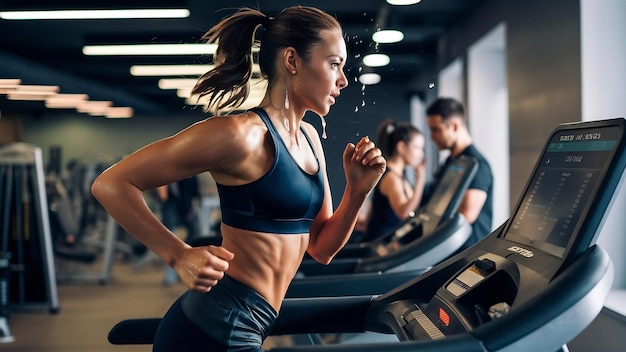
(288, 119)
(396, 166)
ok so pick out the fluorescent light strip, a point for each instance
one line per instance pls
(183, 93)
(94, 107)
(32, 92)
(169, 70)
(176, 70)
(67, 97)
(177, 83)
(94, 14)
(10, 82)
(257, 92)
(150, 49)
(53, 100)
(119, 112)
(31, 97)
(36, 88)
(189, 83)
(66, 101)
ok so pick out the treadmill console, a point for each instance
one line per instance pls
(561, 190)
(442, 205)
(556, 220)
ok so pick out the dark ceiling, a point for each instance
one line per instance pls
(50, 51)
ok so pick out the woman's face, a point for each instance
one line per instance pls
(414, 154)
(318, 83)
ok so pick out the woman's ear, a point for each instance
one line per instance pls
(400, 148)
(290, 60)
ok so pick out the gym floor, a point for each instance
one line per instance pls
(88, 310)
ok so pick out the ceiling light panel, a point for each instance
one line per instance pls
(403, 2)
(176, 70)
(369, 78)
(376, 60)
(387, 36)
(150, 49)
(94, 14)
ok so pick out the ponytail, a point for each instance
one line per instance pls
(227, 85)
(383, 139)
(390, 133)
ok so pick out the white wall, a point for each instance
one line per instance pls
(488, 112)
(451, 80)
(603, 32)
(451, 86)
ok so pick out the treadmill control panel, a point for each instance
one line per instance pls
(471, 276)
(480, 292)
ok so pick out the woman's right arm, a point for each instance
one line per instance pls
(393, 187)
(120, 191)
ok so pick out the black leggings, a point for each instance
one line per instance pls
(230, 317)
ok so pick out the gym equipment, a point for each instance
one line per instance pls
(25, 227)
(415, 245)
(533, 284)
(435, 232)
(605, 333)
(5, 271)
(436, 228)
(73, 211)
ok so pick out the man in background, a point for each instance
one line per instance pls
(448, 129)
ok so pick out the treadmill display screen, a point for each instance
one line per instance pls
(561, 188)
(440, 200)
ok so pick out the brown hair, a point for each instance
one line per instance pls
(227, 84)
(390, 133)
(447, 108)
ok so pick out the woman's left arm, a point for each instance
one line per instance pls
(363, 166)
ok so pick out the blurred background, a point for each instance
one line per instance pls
(520, 67)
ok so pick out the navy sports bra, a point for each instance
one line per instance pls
(284, 200)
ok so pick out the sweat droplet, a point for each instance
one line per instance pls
(324, 136)
(356, 109)
(363, 103)
(431, 85)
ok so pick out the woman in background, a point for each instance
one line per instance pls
(394, 199)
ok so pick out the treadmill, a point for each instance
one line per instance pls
(435, 233)
(533, 284)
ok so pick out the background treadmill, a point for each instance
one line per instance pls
(435, 233)
(531, 285)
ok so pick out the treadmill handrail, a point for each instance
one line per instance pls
(465, 343)
(353, 284)
(451, 207)
(417, 248)
(592, 273)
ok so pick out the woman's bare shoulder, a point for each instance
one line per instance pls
(232, 125)
(230, 140)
